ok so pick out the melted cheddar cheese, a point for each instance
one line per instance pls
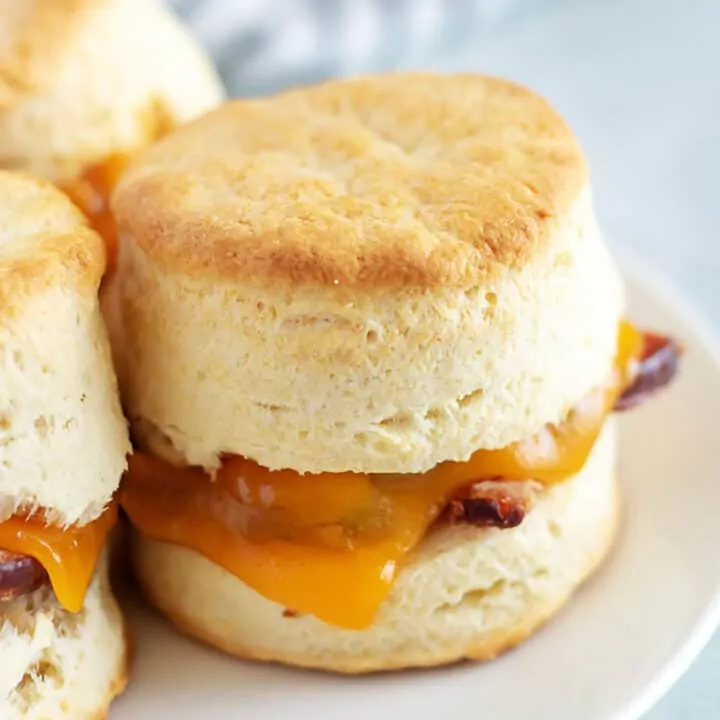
(331, 544)
(92, 189)
(69, 555)
(91, 193)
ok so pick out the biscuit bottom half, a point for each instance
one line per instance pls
(463, 593)
(58, 664)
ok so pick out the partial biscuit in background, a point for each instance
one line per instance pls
(63, 437)
(81, 80)
(63, 447)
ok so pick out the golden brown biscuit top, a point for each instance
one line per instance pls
(44, 242)
(408, 179)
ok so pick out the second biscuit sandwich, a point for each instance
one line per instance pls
(370, 337)
(63, 444)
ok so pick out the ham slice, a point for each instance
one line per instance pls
(19, 574)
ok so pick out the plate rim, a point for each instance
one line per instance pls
(664, 290)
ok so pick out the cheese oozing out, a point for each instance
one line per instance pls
(91, 193)
(68, 554)
(331, 544)
(92, 189)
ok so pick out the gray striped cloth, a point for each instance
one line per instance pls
(261, 46)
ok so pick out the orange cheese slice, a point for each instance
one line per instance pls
(91, 193)
(92, 189)
(69, 555)
(331, 544)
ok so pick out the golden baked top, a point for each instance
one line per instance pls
(408, 179)
(44, 242)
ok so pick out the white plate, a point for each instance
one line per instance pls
(615, 649)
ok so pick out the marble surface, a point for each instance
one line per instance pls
(639, 80)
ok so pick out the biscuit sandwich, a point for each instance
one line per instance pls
(85, 83)
(370, 341)
(63, 448)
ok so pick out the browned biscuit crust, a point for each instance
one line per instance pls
(46, 243)
(407, 179)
